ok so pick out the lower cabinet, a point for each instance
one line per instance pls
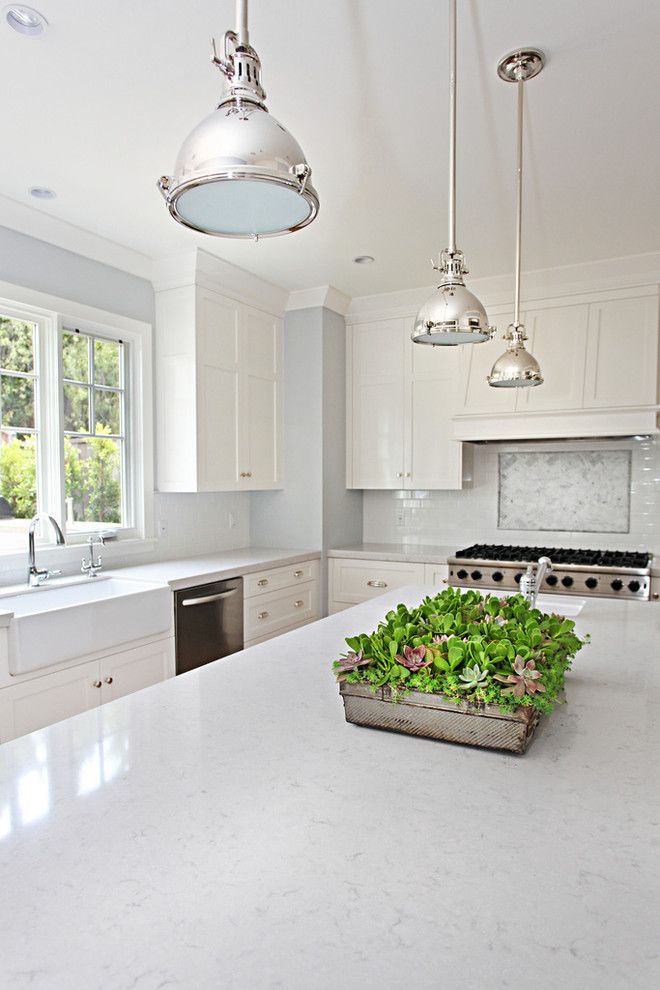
(279, 599)
(39, 701)
(352, 580)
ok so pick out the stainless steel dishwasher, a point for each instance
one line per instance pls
(208, 623)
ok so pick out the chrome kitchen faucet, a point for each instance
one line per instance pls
(532, 579)
(37, 575)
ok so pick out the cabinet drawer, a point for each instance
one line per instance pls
(355, 581)
(277, 610)
(263, 582)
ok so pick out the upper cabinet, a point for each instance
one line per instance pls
(401, 399)
(218, 387)
(599, 359)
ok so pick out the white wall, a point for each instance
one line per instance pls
(193, 523)
(457, 519)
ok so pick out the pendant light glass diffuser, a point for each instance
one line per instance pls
(453, 314)
(239, 172)
(517, 368)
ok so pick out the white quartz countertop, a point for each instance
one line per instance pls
(227, 828)
(189, 571)
(396, 551)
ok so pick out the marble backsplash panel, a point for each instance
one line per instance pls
(585, 491)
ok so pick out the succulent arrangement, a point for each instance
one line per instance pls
(467, 646)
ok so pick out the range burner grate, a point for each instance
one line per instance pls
(558, 555)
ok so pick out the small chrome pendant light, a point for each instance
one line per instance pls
(239, 172)
(517, 368)
(453, 314)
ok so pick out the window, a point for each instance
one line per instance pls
(94, 429)
(75, 423)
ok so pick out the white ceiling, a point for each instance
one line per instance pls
(98, 107)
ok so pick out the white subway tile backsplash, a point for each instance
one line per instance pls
(447, 518)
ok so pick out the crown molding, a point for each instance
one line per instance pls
(322, 296)
(45, 227)
(634, 272)
(197, 267)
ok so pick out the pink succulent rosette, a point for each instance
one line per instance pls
(525, 679)
(414, 658)
(345, 665)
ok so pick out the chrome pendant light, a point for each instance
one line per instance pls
(517, 368)
(239, 172)
(453, 314)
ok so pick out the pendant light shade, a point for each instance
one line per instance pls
(453, 314)
(239, 172)
(517, 368)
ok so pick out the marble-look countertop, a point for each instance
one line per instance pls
(411, 553)
(228, 829)
(188, 571)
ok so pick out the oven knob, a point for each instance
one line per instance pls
(551, 580)
(476, 575)
(461, 574)
(497, 576)
(517, 578)
(567, 581)
(591, 583)
(617, 584)
(634, 586)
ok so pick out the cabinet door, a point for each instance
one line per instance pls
(558, 341)
(259, 401)
(478, 396)
(355, 580)
(135, 669)
(378, 395)
(436, 458)
(622, 353)
(437, 575)
(42, 701)
(217, 396)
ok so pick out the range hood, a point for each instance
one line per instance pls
(587, 424)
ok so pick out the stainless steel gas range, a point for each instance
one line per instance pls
(593, 573)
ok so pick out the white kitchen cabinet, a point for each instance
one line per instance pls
(558, 341)
(476, 394)
(437, 575)
(353, 579)
(622, 354)
(279, 599)
(218, 393)
(34, 702)
(401, 400)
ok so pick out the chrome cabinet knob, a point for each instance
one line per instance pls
(262, 582)
(400, 474)
(97, 684)
(298, 573)
(108, 680)
(376, 584)
(298, 604)
(262, 615)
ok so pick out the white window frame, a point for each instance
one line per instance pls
(54, 316)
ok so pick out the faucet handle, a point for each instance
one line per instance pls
(55, 573)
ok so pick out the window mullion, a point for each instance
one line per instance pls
(51, 418)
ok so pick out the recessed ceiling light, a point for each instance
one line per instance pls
(364, 259)
(25, 20)
(42, 192)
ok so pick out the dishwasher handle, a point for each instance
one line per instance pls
(209, 598)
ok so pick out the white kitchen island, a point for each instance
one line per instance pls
(227, 828)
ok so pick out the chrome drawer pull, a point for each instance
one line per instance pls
(262, 583)
(97, 684)
(298, 573)
(377, 584)
(298, 604)
(108, 680)
(262, 615)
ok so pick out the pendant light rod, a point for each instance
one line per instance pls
(452, 127)
(242, 33)
(519, 175)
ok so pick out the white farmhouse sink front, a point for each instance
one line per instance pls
(561, 604)
(53, 624)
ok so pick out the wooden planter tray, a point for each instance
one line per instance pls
(436, 717)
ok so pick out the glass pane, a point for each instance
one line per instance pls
(75, 356)
(92, 473)
(17, 401)
(106, 362)
(18, 478)
(16, 345)
(76, 408)
(106, 410)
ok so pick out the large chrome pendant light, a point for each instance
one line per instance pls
(239, 172)
(453, 314)
(516, 368)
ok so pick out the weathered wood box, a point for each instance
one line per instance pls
(434, 716)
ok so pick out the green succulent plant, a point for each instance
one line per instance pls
(472, 677)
